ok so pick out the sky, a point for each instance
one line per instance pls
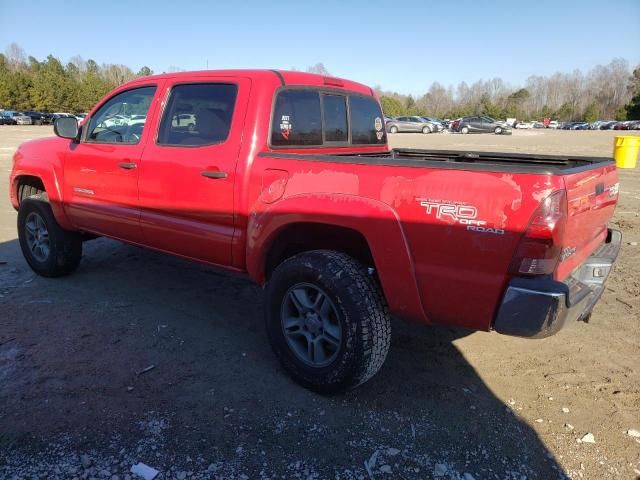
(402, 46)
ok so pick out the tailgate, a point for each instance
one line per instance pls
(592, 195)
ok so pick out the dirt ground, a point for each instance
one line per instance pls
(447, 404)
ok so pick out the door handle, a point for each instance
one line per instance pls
(210, 174)
(127, 165)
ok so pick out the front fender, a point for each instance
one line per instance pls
(376, 221)
(37, 159)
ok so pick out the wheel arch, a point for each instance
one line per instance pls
(47, 183)
(373, 236)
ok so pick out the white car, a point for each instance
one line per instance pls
(553, 124)
(524, 125)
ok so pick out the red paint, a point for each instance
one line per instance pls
(432, 268)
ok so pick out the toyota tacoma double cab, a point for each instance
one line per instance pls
(287, 177)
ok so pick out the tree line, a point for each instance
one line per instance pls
(27, 83)
(605, 92)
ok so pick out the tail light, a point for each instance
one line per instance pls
(538, 252)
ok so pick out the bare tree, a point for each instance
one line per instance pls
(318, 68)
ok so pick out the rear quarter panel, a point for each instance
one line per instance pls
(458, 274)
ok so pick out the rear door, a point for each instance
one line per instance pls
(101, 172)
(188, 171)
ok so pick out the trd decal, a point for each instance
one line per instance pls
(463, 214)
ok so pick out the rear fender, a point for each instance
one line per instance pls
(376, 221)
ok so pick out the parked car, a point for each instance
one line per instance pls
(19, 117)
(6, 120)
(80, 116)
(38, 118)
(608, 125)
(454, 124)
(523, 125)
(580, 126)
(57, 115)
(553, 124)
(538, 125)
(343, 235)
(411, 124)
(622, 126)
(482, 124)
(436, 121)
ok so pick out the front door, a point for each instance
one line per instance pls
(101, 171)
(188, 173)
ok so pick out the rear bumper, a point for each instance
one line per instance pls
(538, 308)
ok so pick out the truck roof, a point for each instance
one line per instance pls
(285, 77)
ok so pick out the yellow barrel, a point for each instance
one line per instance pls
(625, 151)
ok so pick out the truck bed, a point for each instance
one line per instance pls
(462, 160)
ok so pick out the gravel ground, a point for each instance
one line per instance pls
(447, 404)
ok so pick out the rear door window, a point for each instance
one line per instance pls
(335, 118)
(366, 121)
(198, 114)
(297, 119)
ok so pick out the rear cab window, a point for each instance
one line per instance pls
(307, 117)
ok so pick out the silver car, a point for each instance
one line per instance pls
(411, 124)
(19, 117)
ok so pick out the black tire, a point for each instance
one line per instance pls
(64, 247)
(464, 130)
(393, 130)
(360, 306)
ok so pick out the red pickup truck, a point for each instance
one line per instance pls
(287, 177)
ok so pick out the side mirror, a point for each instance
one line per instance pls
(66, 127)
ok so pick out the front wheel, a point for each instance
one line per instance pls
(48, 249)
(393, 130)
(498, 130)
(464, 130)
(327, 321)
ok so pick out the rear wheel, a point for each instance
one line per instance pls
(464, 130)
(48, 249)
(393, 130)
(426, 129)
(327, 321)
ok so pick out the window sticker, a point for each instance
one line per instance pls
(378, 124)
(285, 126)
